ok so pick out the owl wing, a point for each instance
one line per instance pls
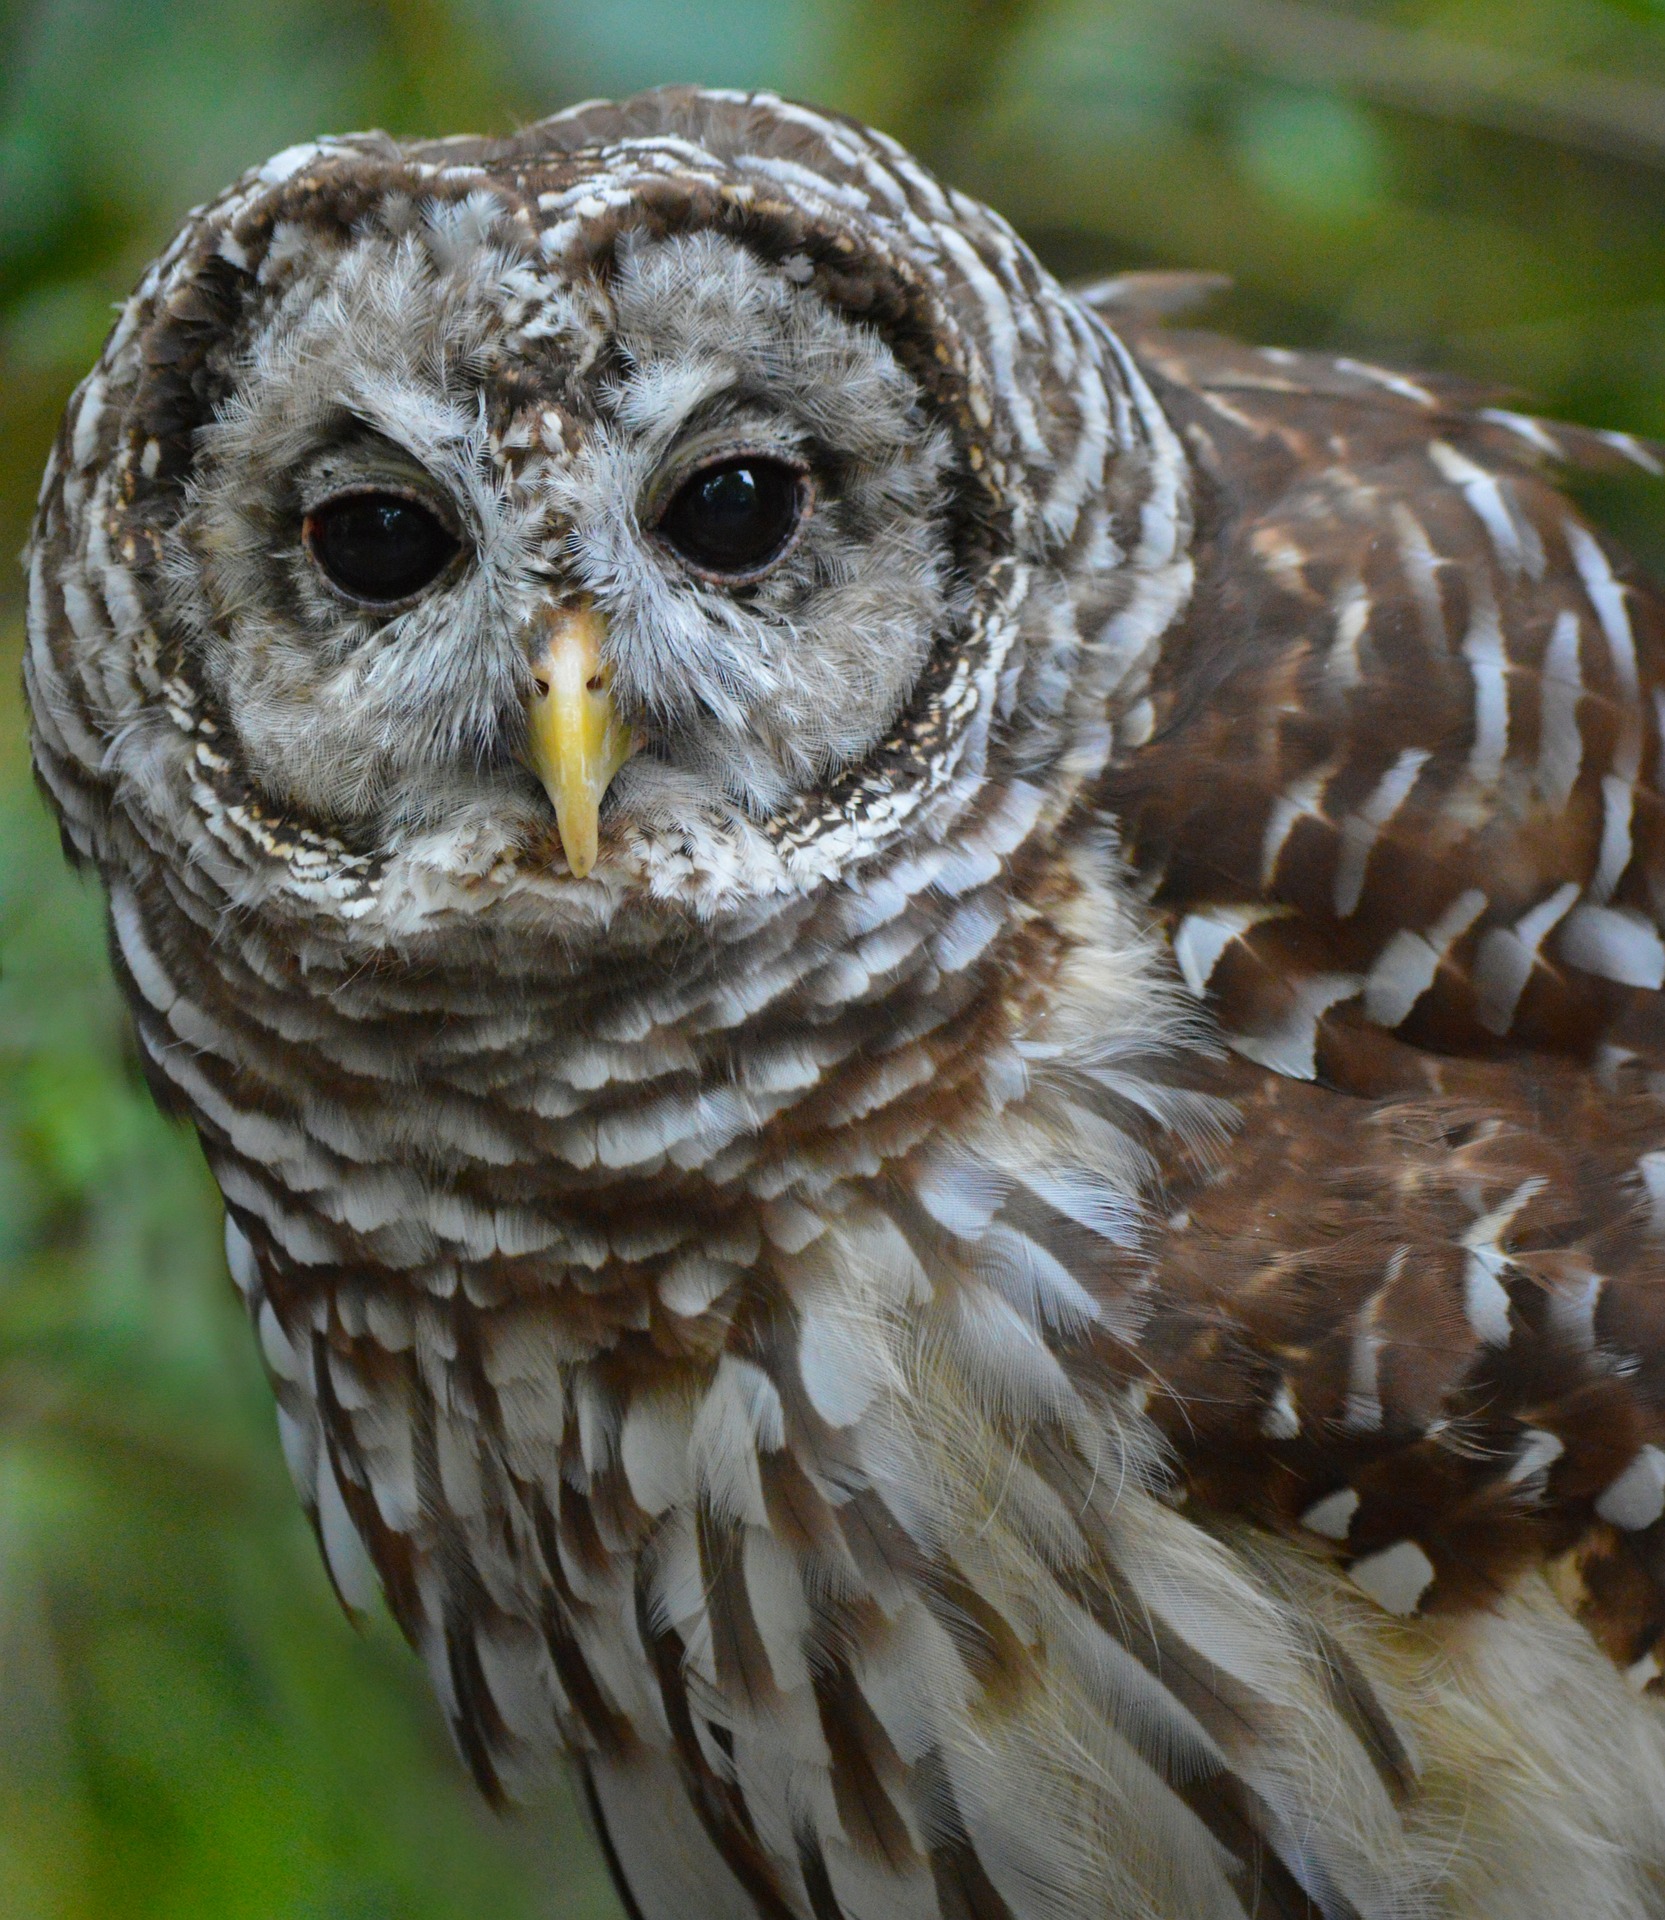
(1395, 797)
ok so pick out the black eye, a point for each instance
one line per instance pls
(378, 546)
(732, 519)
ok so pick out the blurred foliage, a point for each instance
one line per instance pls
(186, 1726)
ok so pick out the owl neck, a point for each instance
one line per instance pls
(641, 1141)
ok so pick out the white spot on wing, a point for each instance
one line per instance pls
(1485, 1296)
(1398, 383)
(740, 1417)
(1561, 686)
(1514, 538)
(1406, 967)
(1616, 943)
(1537, 1453)
(239, 1258)
(691, 1282)
(1507, 956)
(1489, 665)
(838, 1364)
(1633, 449)
(299, 1441)
(1396, 1578)
(1607, 596)
(1651, 1166)
(1363, 1412)
(1636, 1499)
(653, 1450)
(1138, 724)
(1292, 1048)
(1618, 801)
(1280, 1421)
(1421, 567)
(1363, 827)
(84, 440)
(1204, 936)
(1642, 1673)
(1572, 1310)
(276, 1346)
(1525, 428)
(775, 1588)
(1332, 1517)
(1485, 1299)
(1352, 616)
(1303, 800)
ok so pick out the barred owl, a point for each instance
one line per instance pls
(930, 1016)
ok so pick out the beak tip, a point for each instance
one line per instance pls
(579, 839)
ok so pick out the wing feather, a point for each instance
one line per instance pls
(1400, 814)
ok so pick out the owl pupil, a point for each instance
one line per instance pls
(735, 518)
(378, 546)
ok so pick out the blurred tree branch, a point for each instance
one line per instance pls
(1445, 78)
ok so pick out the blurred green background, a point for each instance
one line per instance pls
(188, 1728)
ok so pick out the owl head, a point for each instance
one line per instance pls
(674, 506)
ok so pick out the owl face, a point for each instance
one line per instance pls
(674, 510)
(432, 448)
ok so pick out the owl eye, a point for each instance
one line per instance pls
(380, 547)
(733, 519)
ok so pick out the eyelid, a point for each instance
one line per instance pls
(675, 475)
(354, 455)
(431, 500)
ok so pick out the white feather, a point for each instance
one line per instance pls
(1615, 942)
(654, 1450)
(1035, 1283)
(739, 1418)
(349, 1564)
(672, 1869)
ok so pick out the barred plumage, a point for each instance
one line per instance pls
(1038, 1297)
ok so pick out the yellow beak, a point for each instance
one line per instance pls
(576, 741)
